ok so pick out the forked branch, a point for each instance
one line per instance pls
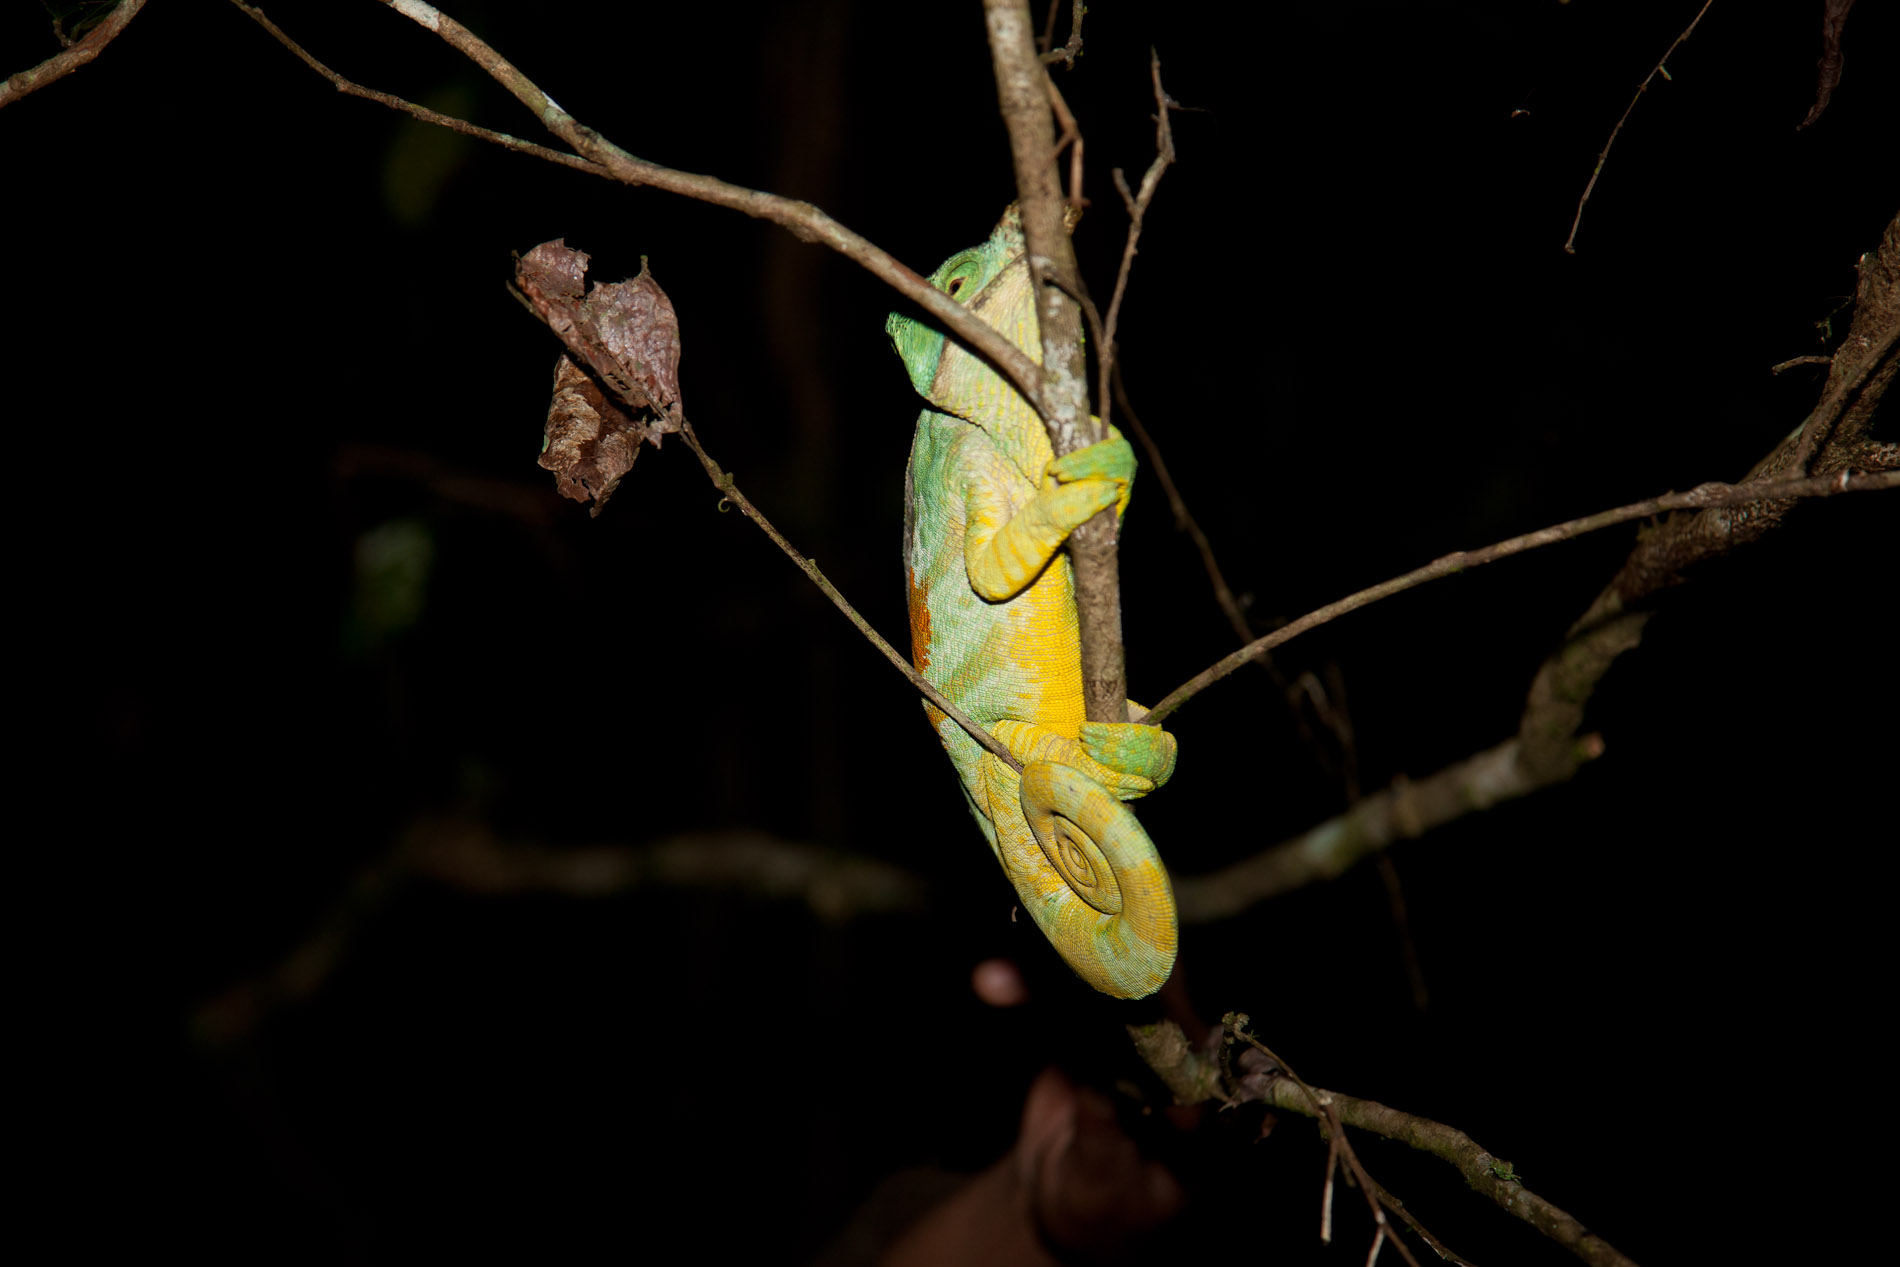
(802, 219)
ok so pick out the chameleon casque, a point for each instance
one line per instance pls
(987, 508)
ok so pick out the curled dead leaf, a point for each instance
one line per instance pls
(590, 442)
(627, 334)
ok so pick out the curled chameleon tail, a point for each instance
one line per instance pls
(1092, 881)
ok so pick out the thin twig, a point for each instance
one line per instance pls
(1570, 243)
(350, 87)
(1048, 35)
(805, 221)
(1234, 1028)
(723, 481)
(1184, 521)
(577, 341)
(1793, 361)
(1071, 136)
(1863, 370)
(72, 57)
(1445, 1252)
(1489, 1175)
(1550, 745)
(1137, 204)
(1073, 48)
(1326, 1191)
(1702, 496)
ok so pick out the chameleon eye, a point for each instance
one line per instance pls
(955, 284)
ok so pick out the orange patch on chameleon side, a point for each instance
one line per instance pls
(920, 638)
(919, 621)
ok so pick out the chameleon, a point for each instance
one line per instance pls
(987, 509)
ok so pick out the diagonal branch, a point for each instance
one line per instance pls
(350, 87)
(1549, 745)
(1403, 811)
(802, 219)
(1661, 68)
(1258, 1076)
(1832, 442)
(581, 341)
(64, 63)
(1752, 494)
(1489, 1175)
(723, 481)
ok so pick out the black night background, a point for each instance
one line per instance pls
(299, 607)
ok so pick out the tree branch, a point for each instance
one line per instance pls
(464, 855)
(938, 700)
(1137, 205)
(1570, 243)
(1705, 495)
(1403, 811)
(350, 87)
(1021, 85)
(67, 61)
(1072, 47)
(1489, 1175)
(1831, 441)
(802, 219)
(582, 342)
(1548, 747)
(1258, 1076)
(1320, 1105)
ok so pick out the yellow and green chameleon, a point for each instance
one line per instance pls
(987, 508)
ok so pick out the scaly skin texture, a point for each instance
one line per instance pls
(987, 509)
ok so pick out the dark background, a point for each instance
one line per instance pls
(261, 329)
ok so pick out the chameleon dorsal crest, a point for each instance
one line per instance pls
(988, 508)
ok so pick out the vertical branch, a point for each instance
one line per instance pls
(1021, 84)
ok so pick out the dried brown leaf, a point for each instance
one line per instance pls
(627, 333)
(637, 323)
(590, 440)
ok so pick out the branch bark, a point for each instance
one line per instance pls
(1485, 1173)
(802, 219)
(1193, 1076)
(1022, 89)
(1831, 441)
(71, 59)
(1749, 499)
(1549, 746)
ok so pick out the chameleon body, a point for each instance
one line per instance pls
(987, 508)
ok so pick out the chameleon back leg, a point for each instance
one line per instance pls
(1091, 879)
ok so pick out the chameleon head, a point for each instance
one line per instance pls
(991, 279)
